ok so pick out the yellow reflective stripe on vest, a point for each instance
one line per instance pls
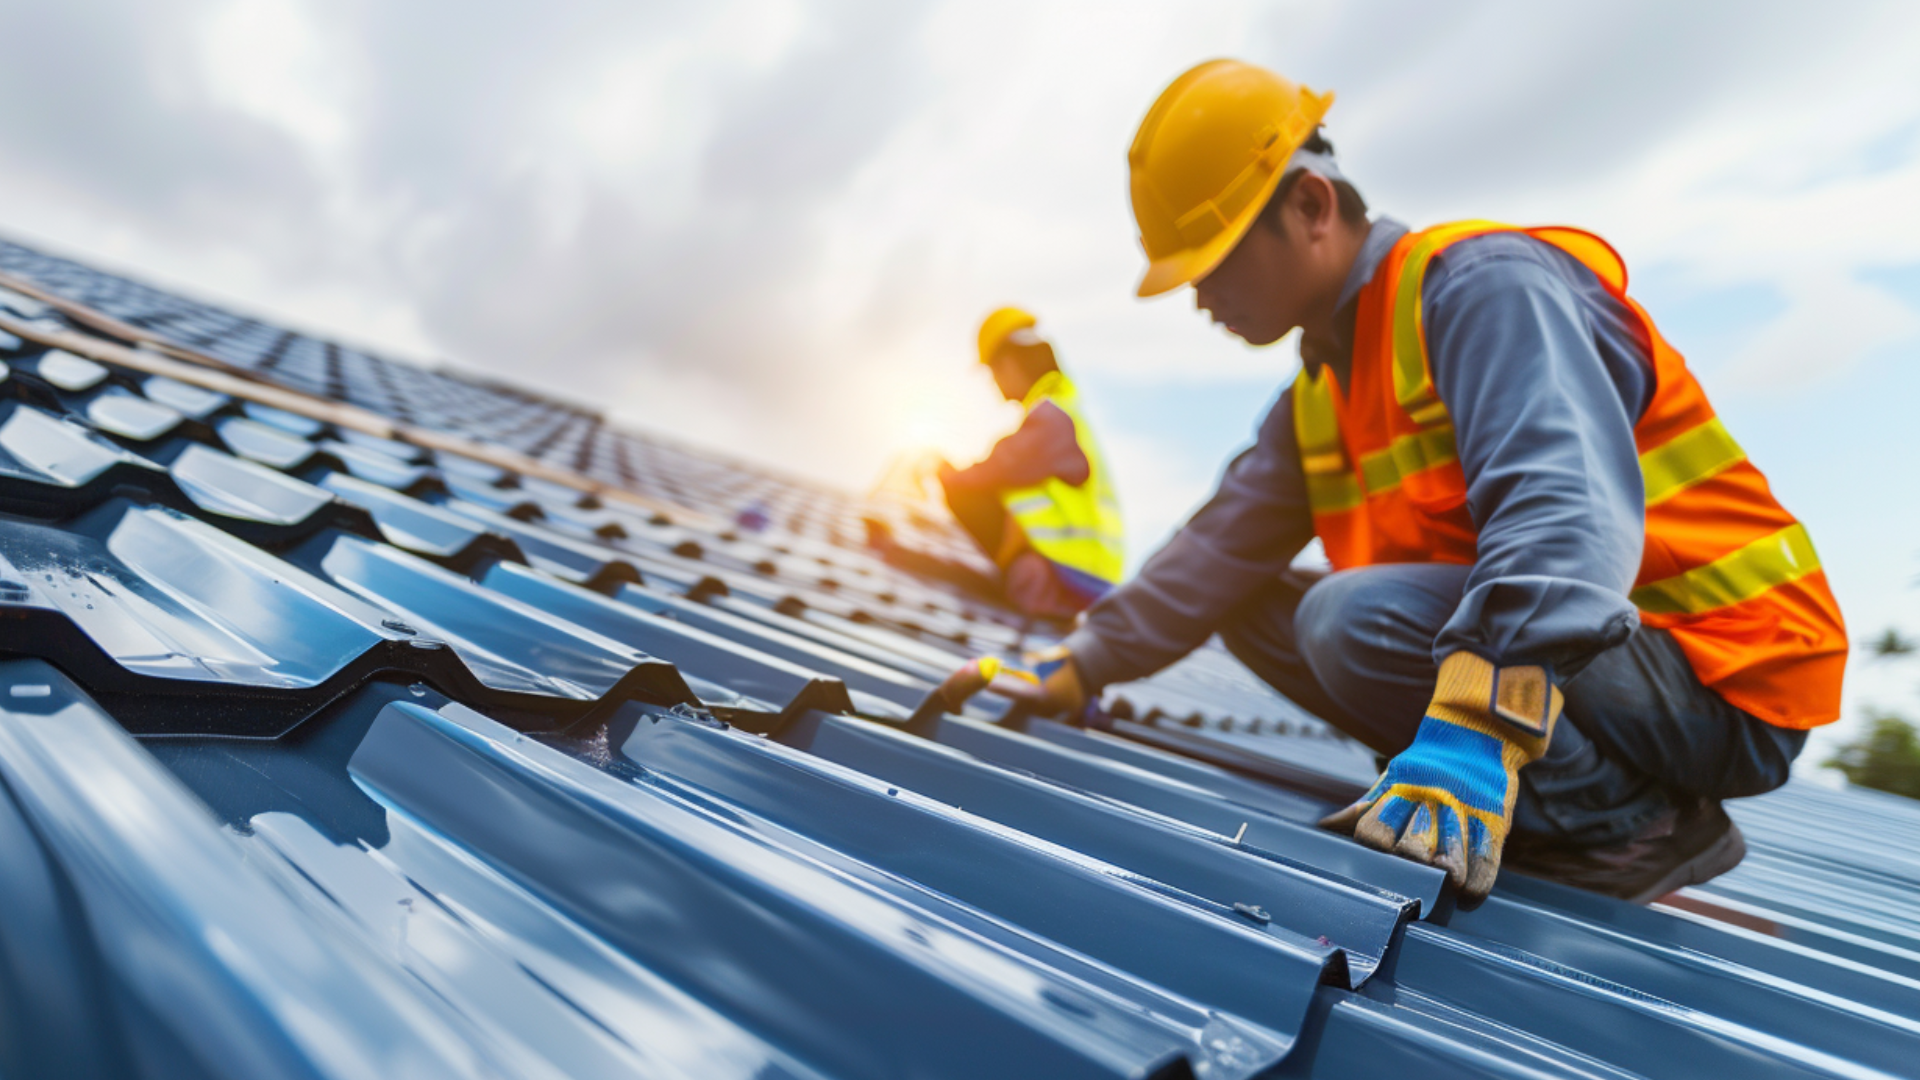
(1687, 459)
(1412, 387)
(1406, 455)
(1315, 426)
(1747, 572)
(1333, 494)
(1331, 486)
(1065, 532)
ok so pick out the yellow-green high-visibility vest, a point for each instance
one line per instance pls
(1075, 526)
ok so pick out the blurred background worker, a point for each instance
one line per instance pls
(1567, 610)
(1041, 504)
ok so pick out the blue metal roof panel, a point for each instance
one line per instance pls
(332, 757)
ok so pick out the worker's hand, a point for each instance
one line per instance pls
(1051, 688)
(1447, 800)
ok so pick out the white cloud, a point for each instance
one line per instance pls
(271, 60)
(1832, 322)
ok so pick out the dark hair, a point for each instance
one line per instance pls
(1353, 208)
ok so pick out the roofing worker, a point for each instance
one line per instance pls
(1041, 504)
(1567, 610)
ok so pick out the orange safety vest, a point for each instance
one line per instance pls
(1725, 569)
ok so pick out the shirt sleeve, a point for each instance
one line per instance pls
(1248, 532)
(1043, 447)
(1543, 390)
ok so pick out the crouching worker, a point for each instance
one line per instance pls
(1566, 609)
(1041, 504)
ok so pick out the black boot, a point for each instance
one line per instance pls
(1688, 845)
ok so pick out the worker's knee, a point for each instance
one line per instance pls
(1367, 635)
(1352, 620)
(1760, 762)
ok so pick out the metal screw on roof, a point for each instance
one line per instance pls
(1253, 911)
(397, 626)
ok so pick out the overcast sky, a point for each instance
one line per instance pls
(772, 225)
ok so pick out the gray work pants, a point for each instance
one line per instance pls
(1639, 734)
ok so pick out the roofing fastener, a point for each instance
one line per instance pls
(1253, 911)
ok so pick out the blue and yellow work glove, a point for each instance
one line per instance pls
(1447, 800)
(1051, 688)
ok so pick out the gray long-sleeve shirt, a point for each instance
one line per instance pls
(1544, 374)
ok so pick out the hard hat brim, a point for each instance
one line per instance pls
(1189, 265)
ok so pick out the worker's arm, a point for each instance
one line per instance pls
(1544, 378)
(1044, 446)
(1245, 535)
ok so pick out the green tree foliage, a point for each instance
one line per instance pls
(1893, 643)
(1886, 758)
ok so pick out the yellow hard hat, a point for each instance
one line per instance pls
(1207, 156)
(1000, 326)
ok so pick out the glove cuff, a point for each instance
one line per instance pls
(1059, 674)
(1519, 704)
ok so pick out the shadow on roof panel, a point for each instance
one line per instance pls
(790, 688)
(599, 568)
(528, 659)
(423, 528)
(866, 676)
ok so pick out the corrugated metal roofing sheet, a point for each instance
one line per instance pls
(326, 754)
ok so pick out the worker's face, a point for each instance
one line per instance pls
(1010, 375)
(1277, 279)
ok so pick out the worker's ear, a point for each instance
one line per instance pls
(1314, 206)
